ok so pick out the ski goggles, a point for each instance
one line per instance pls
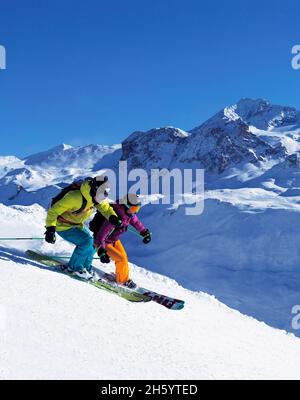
(134, 209)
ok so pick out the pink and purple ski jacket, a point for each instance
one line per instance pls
(108, 234)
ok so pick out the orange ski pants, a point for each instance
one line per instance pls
(118, 254)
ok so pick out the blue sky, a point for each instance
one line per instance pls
(93, 71)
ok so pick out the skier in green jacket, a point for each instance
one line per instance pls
(66, 217)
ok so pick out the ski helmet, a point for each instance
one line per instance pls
(132, 203)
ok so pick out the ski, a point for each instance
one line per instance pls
(105, 280)
(168, 302)
(98, 282)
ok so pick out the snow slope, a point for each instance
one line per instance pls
(53, 327)
(244, 249)
(56, 328)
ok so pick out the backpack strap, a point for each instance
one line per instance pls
(66, 190)
(84, 200)
(84, 203)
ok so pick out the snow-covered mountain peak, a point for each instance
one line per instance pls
(66, 156)
(9, 163)
(230, 113)
(66, 146)
(258, 113)
(245, 109)
(223, 143)
(176, 132)
(264, 115)
(8, 160)
(164, 133)
(225, 140)
(48, 155)
(154, 148)
(62, 163)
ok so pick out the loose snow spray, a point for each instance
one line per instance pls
(176, 187)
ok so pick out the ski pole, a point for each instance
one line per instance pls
(134, 231)
(66, 257)
(19, 238)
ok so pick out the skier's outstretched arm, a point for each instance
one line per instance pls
(136, 223)
(144, 232)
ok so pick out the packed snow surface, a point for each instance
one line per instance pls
(53, 327)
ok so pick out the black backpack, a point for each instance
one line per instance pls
(74, 186)
(96, 223)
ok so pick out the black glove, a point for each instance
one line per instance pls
(104, 257)
(115, 221)
(146, 234)
(50, 235)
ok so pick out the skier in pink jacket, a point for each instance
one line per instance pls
(107, 236)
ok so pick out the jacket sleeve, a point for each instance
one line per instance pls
(68, 202)
(105, 230)
(106, 209)
(136, 223)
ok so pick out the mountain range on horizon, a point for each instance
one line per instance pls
(250, 133)
(251, 143)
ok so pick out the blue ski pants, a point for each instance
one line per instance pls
(83, 254)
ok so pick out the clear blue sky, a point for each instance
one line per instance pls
(93, 71)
